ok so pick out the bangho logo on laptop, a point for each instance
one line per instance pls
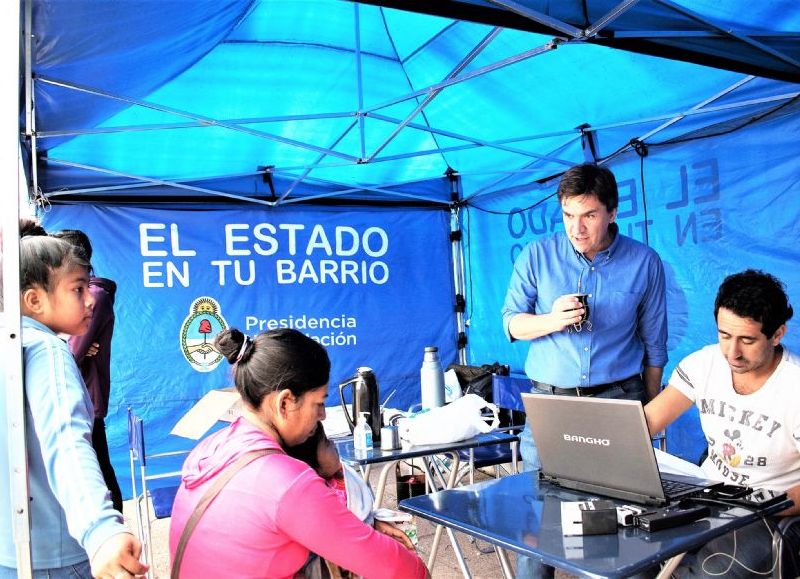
(587, 440)
(198, 331)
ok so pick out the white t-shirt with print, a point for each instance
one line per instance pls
(753, 439)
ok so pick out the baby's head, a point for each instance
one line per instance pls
(319, 453)
(327, 457)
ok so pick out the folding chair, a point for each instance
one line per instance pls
(158, 499)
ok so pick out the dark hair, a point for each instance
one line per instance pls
(273, 361)
(756, 295)
(78, 238)
(307, 450)
(30, 227)
(589, 179)
(40, 256)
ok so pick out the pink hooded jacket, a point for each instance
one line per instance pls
(270, 515)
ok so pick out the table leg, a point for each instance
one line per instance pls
(505, 564)
(437, 535)
(379, 490)
(515, 466)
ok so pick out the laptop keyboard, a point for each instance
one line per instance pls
(674, 488)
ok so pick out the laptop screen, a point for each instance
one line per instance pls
(595, 444)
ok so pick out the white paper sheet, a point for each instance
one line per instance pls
(670, 464)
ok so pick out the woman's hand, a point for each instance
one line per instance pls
(395, 533)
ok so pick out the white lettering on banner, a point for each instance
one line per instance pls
(301, 322)
(230, 239)
(272, 243)
(343, 323)
(323, 248)
(346, 240)
(360, 272)
(318, 240)
(155, 270)
(341, 231)
(237, 270)
(146, 239)
(175, 242)
(383, 246)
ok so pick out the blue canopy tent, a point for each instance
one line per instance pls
(243, 151)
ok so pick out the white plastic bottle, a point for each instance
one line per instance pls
(432, 379)
(362, 434)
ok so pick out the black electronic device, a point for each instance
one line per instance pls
(759, 499)
(669, 517)
(726, 491)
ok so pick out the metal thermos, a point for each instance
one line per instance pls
(432, 379)
(365, 401)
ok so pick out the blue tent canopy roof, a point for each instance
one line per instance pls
(283, 101)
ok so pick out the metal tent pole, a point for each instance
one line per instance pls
(10, 336)
(457, 247)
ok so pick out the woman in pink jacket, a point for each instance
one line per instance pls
(276, 510)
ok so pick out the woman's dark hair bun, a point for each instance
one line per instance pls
(30, 228)
(229, 343)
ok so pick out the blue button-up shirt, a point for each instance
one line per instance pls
(627, 310)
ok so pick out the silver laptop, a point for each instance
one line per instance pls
(602, 446)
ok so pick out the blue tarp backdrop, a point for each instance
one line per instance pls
(359, 281)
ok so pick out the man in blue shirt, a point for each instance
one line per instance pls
(619, 350)
(616, 349)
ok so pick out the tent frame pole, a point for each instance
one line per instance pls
(10, 311)
(457, 248)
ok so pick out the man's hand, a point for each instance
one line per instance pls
(93, 349)
(567, 310)
(395, 533)
(118, 558)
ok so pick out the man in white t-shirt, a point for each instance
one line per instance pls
(747, 390)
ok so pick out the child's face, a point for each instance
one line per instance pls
(328, 458)
(67, 307)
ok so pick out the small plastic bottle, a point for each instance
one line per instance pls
(432, 379)
(362, 434)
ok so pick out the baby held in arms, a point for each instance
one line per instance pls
(320, 453)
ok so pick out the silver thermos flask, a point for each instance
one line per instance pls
(432, 379)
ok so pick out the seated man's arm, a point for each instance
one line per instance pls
(665, 408)
(794, 494)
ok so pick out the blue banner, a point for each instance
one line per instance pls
(374, 286)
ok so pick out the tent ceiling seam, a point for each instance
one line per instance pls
(425, 44)
(309, 44)
(609, 17)
(539, 17)
(200, 118)
(743, 38)
(190, 125)
(459, 67)
(311, 167)
(405, 73)
(474, 140)
(551, 45)
(149, 180)
(698, 106)
(525, 168)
